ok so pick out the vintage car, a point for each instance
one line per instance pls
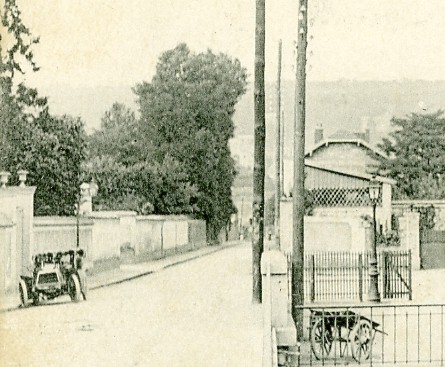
(54, 275)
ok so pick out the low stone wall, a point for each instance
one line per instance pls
(325, 233)
(53, 234)
(114, 237)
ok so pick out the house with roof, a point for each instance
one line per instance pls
(344, 150)
(338, 172)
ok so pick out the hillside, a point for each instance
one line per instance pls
(336, 105)
(346, 105)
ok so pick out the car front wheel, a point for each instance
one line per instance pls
(74, 288)
(24, 296)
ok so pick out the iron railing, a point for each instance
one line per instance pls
(409, 335)
(330, 276)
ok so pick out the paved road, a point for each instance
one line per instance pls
(194, 314)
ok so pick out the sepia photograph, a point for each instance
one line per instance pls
(222, 183)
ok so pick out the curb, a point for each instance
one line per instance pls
(145, 273)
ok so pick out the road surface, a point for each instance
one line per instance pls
(197, 313)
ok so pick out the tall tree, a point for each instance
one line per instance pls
(50, 148)
(117, 136)
(127, 172)
(416, 160)
(186, 112)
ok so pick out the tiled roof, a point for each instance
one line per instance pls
(342, 137)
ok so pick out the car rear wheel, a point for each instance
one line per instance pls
(24, 296)
(74, 288)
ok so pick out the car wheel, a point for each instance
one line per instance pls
(74, 288)
(36, 299)
(24, 297)
(83, 283)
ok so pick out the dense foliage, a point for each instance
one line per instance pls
(416, 160)
(186, 113)
(175, 159)
(50, 148)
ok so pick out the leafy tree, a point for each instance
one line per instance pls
(416, 160)
(186, 112)
(50, 148)
(144, 188)
(117, 136)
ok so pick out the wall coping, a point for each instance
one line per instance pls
(61, 221)
(417, 202)
(164, 217)
(16, 190)
(112, 214)
(331, 219)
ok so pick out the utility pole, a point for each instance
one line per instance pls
(282, 150)
(298, 191)
(278, 152)
(259, 145)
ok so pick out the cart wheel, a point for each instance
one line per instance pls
(74, 288)
(24, 297)
(321, 339)
(362, 337)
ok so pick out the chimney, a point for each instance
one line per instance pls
(365, 131)
(367, 135)
(318, 134)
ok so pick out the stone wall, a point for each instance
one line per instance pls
(409, 236)
(110, 237)
(324, 233)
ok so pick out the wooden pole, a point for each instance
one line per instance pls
(282, 151)
(259, 151)
(278, 152)
(298, 191)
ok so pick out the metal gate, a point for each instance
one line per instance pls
(396, 275)
(331, 276)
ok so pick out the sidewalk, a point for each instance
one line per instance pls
(428, 286)
(127, 272)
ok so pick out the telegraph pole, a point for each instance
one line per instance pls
(259, 145)
(278, 152)
(298, 191)
(282, 150)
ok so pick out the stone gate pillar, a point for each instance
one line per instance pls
(17, 208)
(409, 236)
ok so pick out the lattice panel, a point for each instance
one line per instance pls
(349, 197)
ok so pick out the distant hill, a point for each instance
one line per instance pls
(88, 103)
(346, 105)
(337, 105)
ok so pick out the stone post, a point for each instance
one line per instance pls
(409, 236)
(275, 299)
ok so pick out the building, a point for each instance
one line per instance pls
(344, 150)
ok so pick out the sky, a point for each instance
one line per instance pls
(116, 42)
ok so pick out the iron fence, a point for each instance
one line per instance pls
(333, 276)
(373, 335)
